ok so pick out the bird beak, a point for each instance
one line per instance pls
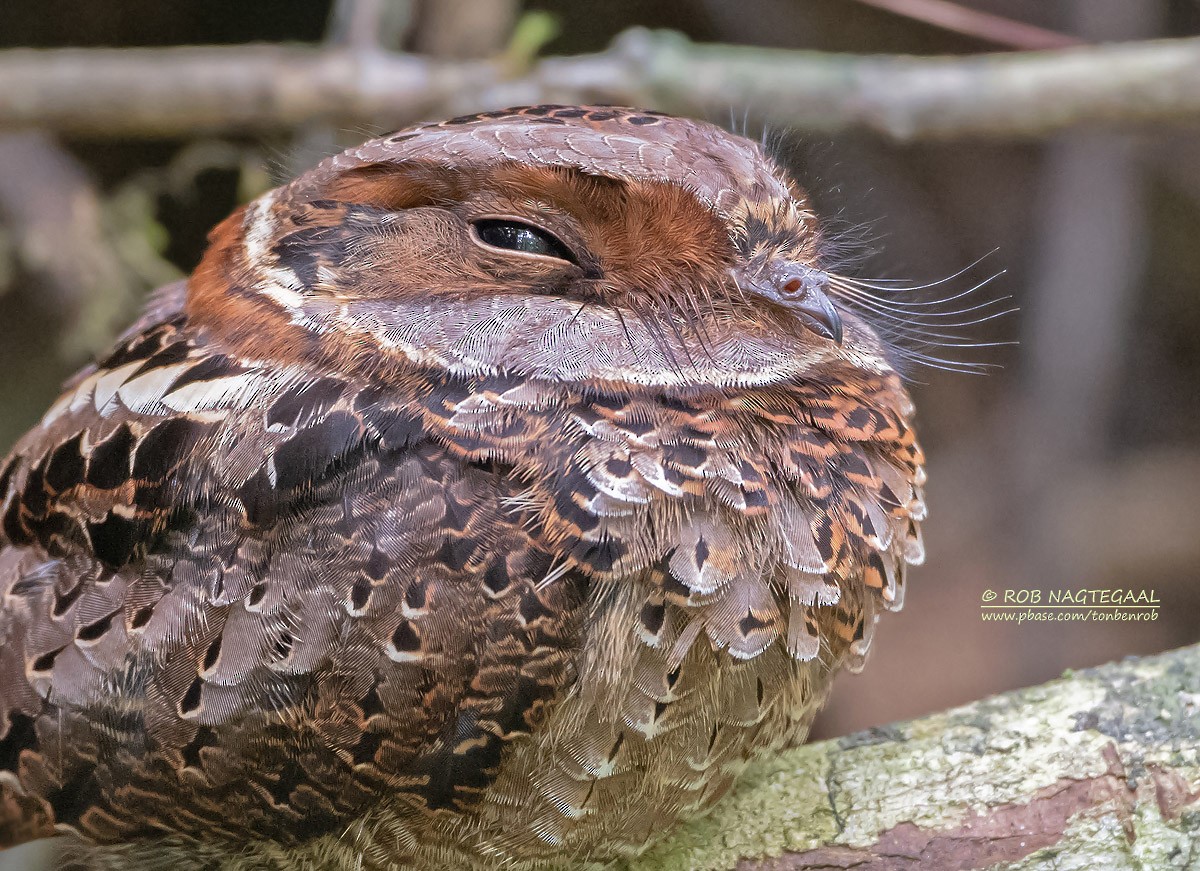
(802, 290)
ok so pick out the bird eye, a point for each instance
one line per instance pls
(516, 236)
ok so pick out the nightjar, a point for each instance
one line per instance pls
(488, 497)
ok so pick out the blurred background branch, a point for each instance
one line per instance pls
(972, 22)
(186, 90)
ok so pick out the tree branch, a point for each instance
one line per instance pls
(174, 91)
(1099, 769)
(980, 25)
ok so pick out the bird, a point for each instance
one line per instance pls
(489, 496)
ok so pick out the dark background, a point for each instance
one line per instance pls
(1076, 464)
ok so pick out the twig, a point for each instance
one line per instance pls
(972, 22)
(369, 25)
(355, 24)
(176, 91)
(359, 27)
(463, 29)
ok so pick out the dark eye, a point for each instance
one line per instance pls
(515, 236)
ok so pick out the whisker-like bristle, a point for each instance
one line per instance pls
(628, 335)
(886, 307)
(903, 284)
(860, 285)
(917, 329)
(647, 316)
(872, 309)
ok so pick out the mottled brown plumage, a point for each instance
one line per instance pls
(488, 497)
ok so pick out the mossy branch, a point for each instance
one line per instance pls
(1100, 769)
(186, 90)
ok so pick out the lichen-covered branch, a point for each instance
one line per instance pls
(172, 91)
(1100, 769)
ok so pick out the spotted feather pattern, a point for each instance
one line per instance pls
(442, 617)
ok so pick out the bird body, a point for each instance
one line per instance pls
(487, 498)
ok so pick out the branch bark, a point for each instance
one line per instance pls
(1100, 769)
(174, 91)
